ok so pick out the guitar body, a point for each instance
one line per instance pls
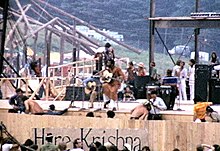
(90, 86)
(106, 77)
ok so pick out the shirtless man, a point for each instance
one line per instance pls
(140, 112)
(110, 87)
(32, 107)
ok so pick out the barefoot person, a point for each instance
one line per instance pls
(111, 78)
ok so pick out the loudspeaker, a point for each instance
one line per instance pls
(141, 81)
(140, 93)
(76, 94)
(202, 76)
(214, 91)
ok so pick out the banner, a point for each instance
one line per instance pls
(136, 138)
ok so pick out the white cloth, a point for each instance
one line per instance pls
(159, 103)
(7, 147)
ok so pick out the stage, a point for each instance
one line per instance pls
(176, 130)
(183, 111)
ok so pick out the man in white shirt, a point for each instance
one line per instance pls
(157, 104)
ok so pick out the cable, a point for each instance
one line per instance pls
(43, 8)
(164, 45)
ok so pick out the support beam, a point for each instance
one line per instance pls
(196, 34)
(88, 25)
(5, 16)
(185, 22)
(61, 48)
(151, 35)
(9, 37)
(24, 16)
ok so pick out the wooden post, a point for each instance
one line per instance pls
(196, 34)
(61, 48)
(35, 46)
(11, 33)
(24, 16)
(151, 34)
(5, 16)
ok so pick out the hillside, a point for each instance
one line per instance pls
(128, 17)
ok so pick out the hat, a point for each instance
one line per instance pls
(141, 64)
(49, 135)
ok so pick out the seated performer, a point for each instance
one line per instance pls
(16, 102)
(90, 87)
(111, 78)
(128, 94)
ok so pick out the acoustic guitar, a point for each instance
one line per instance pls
(108, 76)
(90, 86)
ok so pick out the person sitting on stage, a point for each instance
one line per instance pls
(140, 112)
(141, 71)
(157, 104)
(90, 85)
(16, 102)
(131, 74)
(128, 94)
(200, 109)
(111, 78)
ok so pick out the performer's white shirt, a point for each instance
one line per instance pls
(159, 103)
(192, 75)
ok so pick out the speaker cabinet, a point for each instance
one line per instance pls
(141, 81)
(140, 93)
(202, 77)
(76, 94)
(214, 91)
